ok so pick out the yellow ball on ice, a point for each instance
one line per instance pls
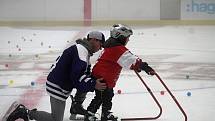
(11, 82)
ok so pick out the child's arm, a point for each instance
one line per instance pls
(131, 61)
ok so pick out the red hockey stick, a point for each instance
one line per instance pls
(173, 97)
(149, 90)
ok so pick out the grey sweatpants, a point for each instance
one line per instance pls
(57, 111)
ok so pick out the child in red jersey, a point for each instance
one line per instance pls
(115, 56)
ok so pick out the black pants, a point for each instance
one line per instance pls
(79, 97)
(103, 98)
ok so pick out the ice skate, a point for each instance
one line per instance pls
(108, 116)
(77, 111)
(90, 116)
(12, 107)
(77, 108)
(16, 111)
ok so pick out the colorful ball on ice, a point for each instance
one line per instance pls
(189, 94)
(119, 91)
(32, 83)
(11, 82)
(162, 92)
(36, 55)
(6, 65)
(187, 76)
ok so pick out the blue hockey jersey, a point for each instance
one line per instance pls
(70, 72)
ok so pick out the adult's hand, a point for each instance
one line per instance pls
(100, 85)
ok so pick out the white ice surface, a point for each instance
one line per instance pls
(184, 57)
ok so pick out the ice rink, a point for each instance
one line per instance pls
(183, 56)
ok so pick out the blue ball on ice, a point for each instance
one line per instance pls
(32, 83)
(189, 94)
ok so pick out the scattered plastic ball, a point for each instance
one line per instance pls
(51, 51)
(10, 55)
(8, 42)
(36, 55)
(119, 91)
(187, 76)
(11, 82)
(19, 49)
(189, 94)
(50, 46)
(162, 92)
(32, 83)
(140, 33)
(6, 65)
(41, 43)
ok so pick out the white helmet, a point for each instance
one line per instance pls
(120, 30)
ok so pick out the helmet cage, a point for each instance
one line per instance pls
(120, 30)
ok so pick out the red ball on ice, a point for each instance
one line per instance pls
(119, 91)
(162, 92)
(6, 65)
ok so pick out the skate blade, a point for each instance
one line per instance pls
(111, 120)
(76, 117)
(12, 107)
(80, 118)
(116, 119)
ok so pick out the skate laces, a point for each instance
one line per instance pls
(91, 116)
(90, 113)
(78, 108)
(109, 115)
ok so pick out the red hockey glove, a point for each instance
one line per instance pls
(137, 65)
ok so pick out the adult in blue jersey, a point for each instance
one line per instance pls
(64, 77)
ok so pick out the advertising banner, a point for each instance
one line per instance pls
(198, 9)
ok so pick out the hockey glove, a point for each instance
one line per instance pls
(144, 66)
(137, 65)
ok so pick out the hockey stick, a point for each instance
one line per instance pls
(173, 97)
(149, 90)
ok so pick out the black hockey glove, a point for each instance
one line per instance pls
(144, 66)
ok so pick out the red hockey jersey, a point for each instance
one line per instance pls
(111, 62)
